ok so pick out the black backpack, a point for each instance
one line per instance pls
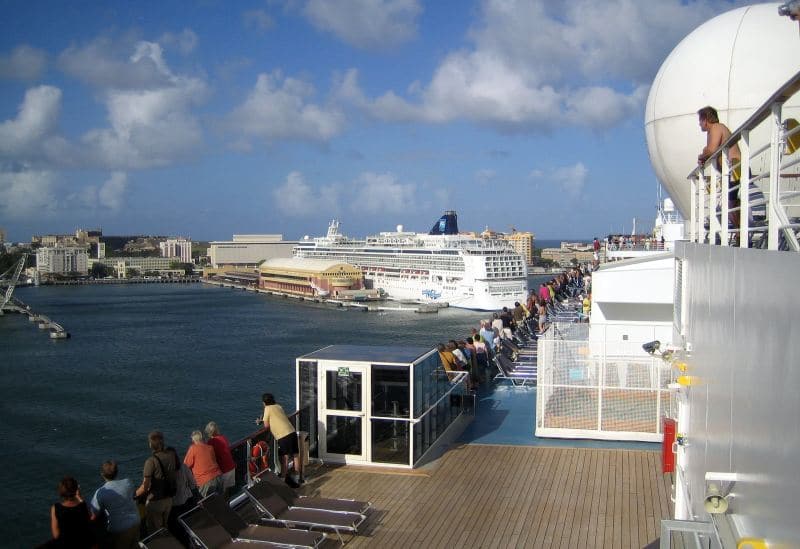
(165, 487)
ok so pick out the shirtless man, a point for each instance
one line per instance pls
(716, 134)
(791, 10)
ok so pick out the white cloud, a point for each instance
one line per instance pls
(148, 128)
(23, 63)
(535, 65)
(26, 193)
(111, 192)
(150, 116)
(259, 20)
(278, 108)
(368, 24)
(295, 197)
(184, 41)
(368, 194)
(108, 64)
(569, 179)
(381, 193)
(36, 121)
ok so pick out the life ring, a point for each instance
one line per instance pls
(259, 458)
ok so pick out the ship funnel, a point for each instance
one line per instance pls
(447, 224)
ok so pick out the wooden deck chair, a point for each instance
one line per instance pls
(275, 510)
(293, 499)
(237, 527)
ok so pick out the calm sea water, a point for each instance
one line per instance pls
(156, 356)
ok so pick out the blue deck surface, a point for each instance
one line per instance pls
(507, 415)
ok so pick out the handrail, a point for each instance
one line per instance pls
(716, 218)
(784, 93)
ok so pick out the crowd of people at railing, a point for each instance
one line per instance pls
(569, 291)
(119, 513)
(634, 242)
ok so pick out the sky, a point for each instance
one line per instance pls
(211, 118)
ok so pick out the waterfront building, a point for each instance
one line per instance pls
(522, 242)
(310, 277)
(62, 260)
(568, 253)
(177, 247)
(249, 250)
(141, 264)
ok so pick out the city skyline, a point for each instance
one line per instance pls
(210, 119)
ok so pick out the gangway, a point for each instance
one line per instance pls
(14, 272)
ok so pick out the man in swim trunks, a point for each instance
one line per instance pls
(716, 134)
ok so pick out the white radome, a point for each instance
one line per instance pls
(733, 62)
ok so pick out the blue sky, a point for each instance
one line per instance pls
(210, 118)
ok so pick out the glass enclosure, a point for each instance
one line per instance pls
(307, 403)
(391, 394)
(381, 405)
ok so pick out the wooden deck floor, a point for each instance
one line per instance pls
(510, 496)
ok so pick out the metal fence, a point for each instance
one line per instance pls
(588, 390)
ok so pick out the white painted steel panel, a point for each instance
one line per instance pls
(741, 307)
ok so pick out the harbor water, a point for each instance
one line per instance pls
(156, 356)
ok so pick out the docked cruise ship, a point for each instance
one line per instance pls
(440, 266)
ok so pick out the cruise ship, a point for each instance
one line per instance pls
(440, 266)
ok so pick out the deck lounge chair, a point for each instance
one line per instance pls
(209, 534)
(517, 376)
(276, 511)
(293, 499)
(161, 539)
(237, 527)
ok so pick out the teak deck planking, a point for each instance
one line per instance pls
(509, 496)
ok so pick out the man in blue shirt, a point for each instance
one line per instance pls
(115, 499)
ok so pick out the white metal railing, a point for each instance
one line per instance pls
(767, 180)
(586, 389)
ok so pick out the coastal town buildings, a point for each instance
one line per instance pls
(522, 242)
(140, 264)
(569, 253)
(62, 260)
(177, 247)
(249, 250)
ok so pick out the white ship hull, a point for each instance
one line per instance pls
(478, 295)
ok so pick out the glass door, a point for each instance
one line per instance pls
(342, 412)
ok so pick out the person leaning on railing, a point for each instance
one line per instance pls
(283, 431)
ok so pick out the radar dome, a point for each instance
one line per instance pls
(399, 228)
(734, 62)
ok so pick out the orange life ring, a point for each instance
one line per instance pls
(259, 458)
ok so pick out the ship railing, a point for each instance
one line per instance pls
(248, 465)
(596, 389)
(767, 179)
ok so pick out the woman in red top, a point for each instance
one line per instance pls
(222, 451)
(201, 460)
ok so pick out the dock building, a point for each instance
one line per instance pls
(311, 277)
(248, 250)
(62, 260)
(141, 264)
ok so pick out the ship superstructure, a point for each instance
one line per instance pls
(440, 266)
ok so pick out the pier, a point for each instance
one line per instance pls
(56, 330)
(364, 306)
